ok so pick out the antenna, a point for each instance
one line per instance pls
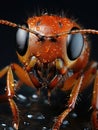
(14, 25)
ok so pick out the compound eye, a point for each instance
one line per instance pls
(22, 41)
(75, 44)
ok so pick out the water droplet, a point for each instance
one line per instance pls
(10, 128)
(26, 123)
(65, 123)
(86, 129)
(44, 128)
(74, 115)
(35, 97)
(39, 116)
(21, 98)
(46, 101)
(3, 124)
(29, 116)
(38, 28)
(54, 119)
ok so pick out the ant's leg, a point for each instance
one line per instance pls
(71, 103)
(10, 94)
(10, 90)
(22, 74)
(89, 76)
(86, 79)
(3, 98)
(15, 113)
(95, 104)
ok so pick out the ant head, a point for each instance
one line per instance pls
(24, 58)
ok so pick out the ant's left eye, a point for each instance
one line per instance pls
(22, 41)
(75, 44)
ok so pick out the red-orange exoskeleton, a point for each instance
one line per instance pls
(56, 46)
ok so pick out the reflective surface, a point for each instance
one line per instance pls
(36, 113)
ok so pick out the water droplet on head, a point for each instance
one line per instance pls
(38, 28)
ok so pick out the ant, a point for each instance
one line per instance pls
(51, 43)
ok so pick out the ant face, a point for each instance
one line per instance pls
(46, 46)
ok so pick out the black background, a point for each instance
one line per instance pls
(85, 11)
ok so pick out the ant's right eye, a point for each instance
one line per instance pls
(22, 41)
